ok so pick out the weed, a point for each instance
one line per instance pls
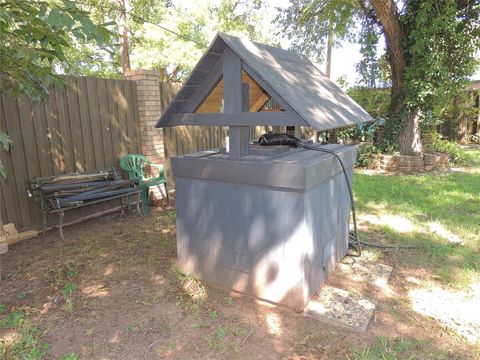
(57, 275)
(229, 301)
(28, 346)
(3, 308)
(216, 341)
(128, 329)
(64, 273)
(171, 215)
(221, 332)
(171, 346)
(71, 270)
(63, 277)
(238, 332)
(202, 325)
(213, 343)
(187, 305)
(213, 315)
(21, 295)
(68, 306)
(68, 289)
(400, 348)
(15, 318)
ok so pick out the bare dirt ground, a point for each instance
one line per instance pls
(111, 291)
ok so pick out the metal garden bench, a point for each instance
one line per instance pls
(61, 193)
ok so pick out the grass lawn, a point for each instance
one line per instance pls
(440, 213)
(112, 291)
(432, 210)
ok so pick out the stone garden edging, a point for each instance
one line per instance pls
(409, 163)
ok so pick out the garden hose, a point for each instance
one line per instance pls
(353, 239)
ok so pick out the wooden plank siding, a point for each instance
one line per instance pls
(88, 125)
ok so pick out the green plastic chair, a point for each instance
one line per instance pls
(134, 165)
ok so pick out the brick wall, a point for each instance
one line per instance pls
(149, 110)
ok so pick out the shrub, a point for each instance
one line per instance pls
(364, 155)
(455, 152)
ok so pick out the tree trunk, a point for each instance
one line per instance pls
(410, 142)
(388, 17)
(462, 119)
(331, 134)
(329, 51)
(123, 29)
(478, 117)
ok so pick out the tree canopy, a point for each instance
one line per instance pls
(35, 36)
(430, 48)
(163, 35)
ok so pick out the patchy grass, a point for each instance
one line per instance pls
(438, 211)
(400, 348)
(24, 341)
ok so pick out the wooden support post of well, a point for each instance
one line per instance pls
(233, 90)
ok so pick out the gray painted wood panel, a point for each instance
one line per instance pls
(246, 234)
(236, 119)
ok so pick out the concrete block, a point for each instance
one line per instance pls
(341, 308)
(10, 228)
(11, 234)
(3, 247)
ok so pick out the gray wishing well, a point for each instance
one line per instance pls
(267, 221)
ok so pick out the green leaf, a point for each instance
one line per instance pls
(88, 26)
(5, 140)
(55, 18)
(68, 21)
(44, 42)
(43, 10)
(3, 173)
(69, 4)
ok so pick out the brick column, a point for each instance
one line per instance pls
(149, 110)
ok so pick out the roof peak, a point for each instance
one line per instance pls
(289, 77)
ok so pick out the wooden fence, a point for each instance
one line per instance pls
(89, 125)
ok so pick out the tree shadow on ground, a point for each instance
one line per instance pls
(130, 303)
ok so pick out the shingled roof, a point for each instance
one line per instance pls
(288, 77)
